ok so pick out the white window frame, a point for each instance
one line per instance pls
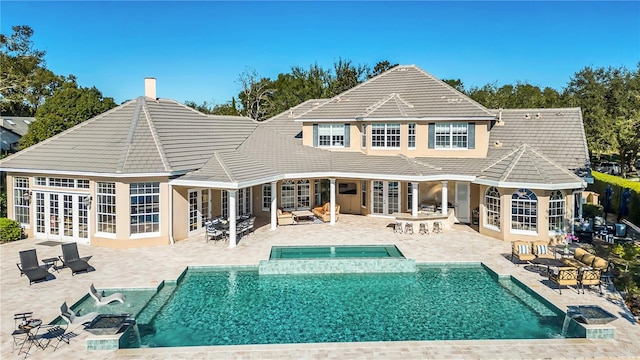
(106, 210)
(526, 224)
(492, 208)
(331, 135)
(152, 209)
(557, 212)
(243, 202)
(266, 197)
(385, 136)
(411, 136)
(21, 199)
(451, 136)
(288, 195)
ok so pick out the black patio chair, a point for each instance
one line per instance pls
(30, 266)
(71, 259)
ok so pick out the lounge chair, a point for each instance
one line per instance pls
(71, 259)
(104, 300)
(71, 318)
(564, 276)
(522, 251)
(29, 266)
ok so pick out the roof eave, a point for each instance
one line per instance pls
(537, 186)
(406, 118)
(93, 173)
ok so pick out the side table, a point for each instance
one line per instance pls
(51, 263)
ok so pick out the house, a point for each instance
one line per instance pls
(12, 128)
(150, 171)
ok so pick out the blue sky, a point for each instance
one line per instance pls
(197, 50)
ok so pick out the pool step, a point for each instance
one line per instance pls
(148, 313)
(527, 298)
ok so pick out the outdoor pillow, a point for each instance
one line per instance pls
(542, 249)
(523, 249)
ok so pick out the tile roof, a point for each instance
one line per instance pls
(404, 91)
(158, 136)
(556, 133)
(525, 165)
(140, 136)
(16, 124)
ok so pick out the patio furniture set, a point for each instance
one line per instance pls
(583, 269)
(70, 258)
(423, 230)
(217, 228)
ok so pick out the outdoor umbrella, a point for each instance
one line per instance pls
(623, 209)
(608, 194)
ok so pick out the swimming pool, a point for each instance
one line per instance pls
(444, 303)
(340, 251)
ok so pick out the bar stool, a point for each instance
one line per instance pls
(408, 228)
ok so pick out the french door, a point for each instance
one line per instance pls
(62, 216)
(462, 202)
(199, 205)
(385, 197)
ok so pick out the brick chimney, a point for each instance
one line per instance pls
(150, 87)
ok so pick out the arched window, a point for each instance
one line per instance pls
(524, 210)
(556, 211)
(492, 206)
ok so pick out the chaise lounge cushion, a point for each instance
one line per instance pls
(584, 259)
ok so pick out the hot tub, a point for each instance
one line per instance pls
(109, 324)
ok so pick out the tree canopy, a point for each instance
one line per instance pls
(67, 107)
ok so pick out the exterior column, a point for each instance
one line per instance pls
(232, 217)
(445, 198)
(332, 203)
(414, 199)
(274, 205)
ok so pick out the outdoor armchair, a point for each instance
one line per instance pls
(563, 276)
(541, 250)
(522, 251)
(589, 277)
(29, 266)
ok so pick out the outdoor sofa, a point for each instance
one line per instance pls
(324, 212)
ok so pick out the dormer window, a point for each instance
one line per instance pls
(331, 135)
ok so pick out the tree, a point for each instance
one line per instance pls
(610, 101)
(204, 108)
(229, 108)
(381, 67)
(456, 84)
(346, 76)
(69, 106)
(24, 80)
(255, 95)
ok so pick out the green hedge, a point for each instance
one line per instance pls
(619, 184)
(10, 230)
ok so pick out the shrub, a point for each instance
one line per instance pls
(590, 211)
(10, 230)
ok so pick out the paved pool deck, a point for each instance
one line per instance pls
(147, 267)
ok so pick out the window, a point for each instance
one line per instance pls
(363, 191)
(347, 189)
(243, 202)
(524, 210)
(363, 136)
(409, 196)
(556, 211)
(266, 197)
(193, 210)
(288, 195)
(385, 136)
(492, 207)
(331, 135)
(304, 194)
(62, 182)
(451, 135)
(411, 136)
(21, 197)
(145, 207)
(106, 207)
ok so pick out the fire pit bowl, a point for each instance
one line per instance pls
(591, 314)
(109, 324)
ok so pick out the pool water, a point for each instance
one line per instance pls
(324, 252)
(450, 303)
(135, 301)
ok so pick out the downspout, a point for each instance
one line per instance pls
(171, 214)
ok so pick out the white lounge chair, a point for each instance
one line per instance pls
(70, 317)
(104, 300)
